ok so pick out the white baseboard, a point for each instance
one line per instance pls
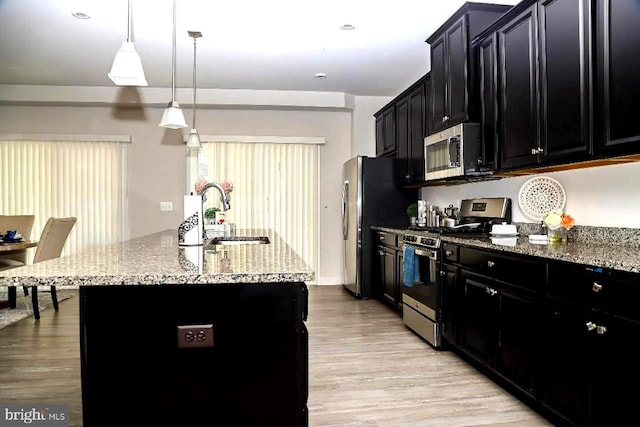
(325, 280)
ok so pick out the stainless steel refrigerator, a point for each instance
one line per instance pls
(369, 197)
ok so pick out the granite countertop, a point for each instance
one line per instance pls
(157, 259)
(596, 252)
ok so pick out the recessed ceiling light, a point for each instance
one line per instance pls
(81, 15)
(321, 76)
(348, 27)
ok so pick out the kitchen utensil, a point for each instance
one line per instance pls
(541, 195)
(449, 222)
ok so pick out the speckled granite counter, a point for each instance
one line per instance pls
(623, 257)
(157, 259)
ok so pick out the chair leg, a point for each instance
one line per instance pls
(13, 297)
(26, 290)
(34, 302)
(54, 298)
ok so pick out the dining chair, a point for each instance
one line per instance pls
(52, 240)
(23, 224)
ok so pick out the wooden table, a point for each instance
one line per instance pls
(7, 248)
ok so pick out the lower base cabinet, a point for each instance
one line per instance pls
(388, 268)
(590, 368)
(562, 339)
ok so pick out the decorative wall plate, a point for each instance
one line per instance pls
(541, 195)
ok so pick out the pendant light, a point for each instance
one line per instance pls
(193, 141)
(173, 118)
(127, 66)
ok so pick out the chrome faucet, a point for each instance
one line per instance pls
(223, 195)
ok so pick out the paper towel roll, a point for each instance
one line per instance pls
(191, 229)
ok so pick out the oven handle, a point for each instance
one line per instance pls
(425, 252)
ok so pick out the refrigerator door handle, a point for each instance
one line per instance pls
(345, 210)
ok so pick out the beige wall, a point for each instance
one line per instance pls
(364, 124)
(157, 156)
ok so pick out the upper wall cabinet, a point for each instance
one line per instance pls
(544, 68)
(401, 126)
(453, 67)
(618, 70)
(386, 131)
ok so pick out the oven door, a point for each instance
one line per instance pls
(421, 302)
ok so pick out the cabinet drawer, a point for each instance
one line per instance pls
(386, 238)
(615, 293)
(520, 271)
(450, 252)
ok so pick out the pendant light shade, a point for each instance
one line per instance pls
(173, 118)
(193, 141)
(127, 66)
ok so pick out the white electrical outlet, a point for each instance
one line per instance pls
(166, 206)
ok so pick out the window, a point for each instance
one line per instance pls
(275, 187)
(67, 178)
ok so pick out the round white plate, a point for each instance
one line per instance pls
(541, 195)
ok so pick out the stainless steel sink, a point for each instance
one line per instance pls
(240, 240)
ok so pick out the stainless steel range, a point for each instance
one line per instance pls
(422, 299)
(421, 291)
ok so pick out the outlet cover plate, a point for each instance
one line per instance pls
(190, 336)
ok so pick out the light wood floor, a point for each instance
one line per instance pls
(365, 370)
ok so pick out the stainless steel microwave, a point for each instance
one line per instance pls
(453, 152)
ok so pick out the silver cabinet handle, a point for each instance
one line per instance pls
(601, 330)
(443, 273)
(534, 151)
(380, 253)
(597, 287)
(590, 326)
(407, 176)
(448, 253)
(445, 118)
(491, 291)
(491, 264)
(381, 237)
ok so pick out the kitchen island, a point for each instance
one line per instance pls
(187, 335)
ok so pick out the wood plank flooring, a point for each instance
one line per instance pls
(366, 369)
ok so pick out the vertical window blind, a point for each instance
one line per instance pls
(275, 187)
(61, 179)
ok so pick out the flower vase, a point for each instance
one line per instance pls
(557, 235)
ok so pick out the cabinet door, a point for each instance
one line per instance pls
(617, 371)
(618, 69)
(402, 140)
(450, 302)
(416, 134)
(388, 116)
(456, 57)
(488, 70)
(519, 320)
(567, 361)
(565, 61)
(389, 275)
(519, 84)
(439, 72)
(379, 135)
(478, 308)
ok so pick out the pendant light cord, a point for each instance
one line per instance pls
(173, 74)
(129, 23)
(194, 83)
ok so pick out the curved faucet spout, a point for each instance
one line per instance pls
(223, 194)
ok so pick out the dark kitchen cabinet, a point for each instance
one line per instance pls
(544, 58)
(389, 268)
(453, 67)
(386, 132)
(488, 74)
(451, 292)
(498, 313)
(412, 127)
(589, 357)
(618, 68)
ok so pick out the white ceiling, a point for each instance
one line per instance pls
(246, 44)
